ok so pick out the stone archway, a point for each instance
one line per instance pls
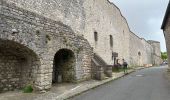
(18, 66)
(64, 66)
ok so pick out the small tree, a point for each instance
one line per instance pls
(164, 55)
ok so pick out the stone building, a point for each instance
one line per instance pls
(166, 30)
(49, 41)
(156, 52)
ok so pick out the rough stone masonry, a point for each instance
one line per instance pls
(28, 45)
(49, 41)
(166, 29)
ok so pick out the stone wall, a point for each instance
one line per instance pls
(167, 36)
(136, 51)
(144, 52)
(156, 52)
(10, 70)
(148, 53)
(106, 19)
(18, 66)
(44, 37)
(69, 12)
(87, 17)
(44, 27)
(84, 17)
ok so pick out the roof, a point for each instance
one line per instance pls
(166, 16)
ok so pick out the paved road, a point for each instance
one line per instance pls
(147, 84)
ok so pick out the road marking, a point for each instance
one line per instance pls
(75, 88)
(67, 92)
(139, 75)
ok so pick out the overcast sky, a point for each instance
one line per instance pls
(145, 17)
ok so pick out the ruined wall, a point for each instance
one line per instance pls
(43, 37)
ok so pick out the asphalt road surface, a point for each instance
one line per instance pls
(146, 84)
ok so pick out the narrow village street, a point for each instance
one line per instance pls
(84, 50)
(146, 84)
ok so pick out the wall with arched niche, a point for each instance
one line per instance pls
(44, 37)
(18, 65)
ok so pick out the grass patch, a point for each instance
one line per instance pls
(117, 70)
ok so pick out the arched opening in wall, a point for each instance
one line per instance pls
(111, 41)
(18, 65)
(64, 66)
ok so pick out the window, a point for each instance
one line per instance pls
(95, 36)
(139, 53)
(111, 41)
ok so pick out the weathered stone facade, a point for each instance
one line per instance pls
(18, 65)
(86, 17)
(44, 40)
(156, 55)
(28, 44)
(105, 19)
(166, 29)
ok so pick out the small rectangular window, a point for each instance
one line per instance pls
(111, 41)
(95, 36)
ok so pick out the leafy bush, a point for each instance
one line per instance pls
(164, 55)
(28, 89)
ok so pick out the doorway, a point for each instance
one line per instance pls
(63, 67)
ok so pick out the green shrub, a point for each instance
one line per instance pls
(28, 89)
